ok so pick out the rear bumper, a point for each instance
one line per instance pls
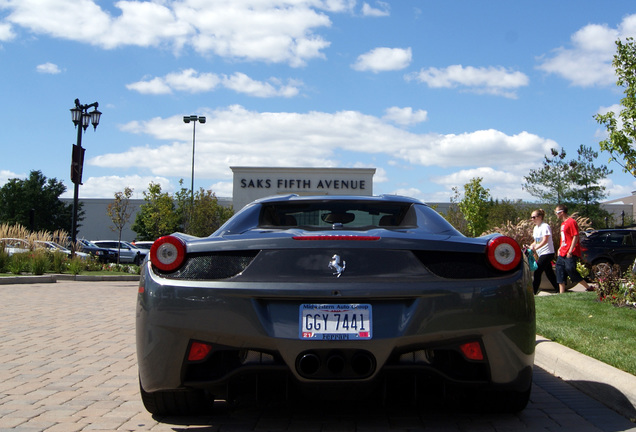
(253, 330)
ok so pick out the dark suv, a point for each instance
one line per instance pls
(609, 246)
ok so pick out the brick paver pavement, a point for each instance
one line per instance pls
(67, 363)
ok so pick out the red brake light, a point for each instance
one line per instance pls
(199, 351)
(503, 253)
(167, 253)
(338, 237)
(472, 351)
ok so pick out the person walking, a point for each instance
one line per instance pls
(544, 247)
(569, 250)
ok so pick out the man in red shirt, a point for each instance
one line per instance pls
(569, 250)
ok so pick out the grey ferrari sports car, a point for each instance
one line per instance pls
(334, 297)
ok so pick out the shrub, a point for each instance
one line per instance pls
(620, 292)
(76, 265)
(59, 262)
(19, 263)
(4, 259)
(39, 262)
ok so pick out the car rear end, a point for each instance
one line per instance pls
(335, 314)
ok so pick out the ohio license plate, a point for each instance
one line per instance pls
(335, 321)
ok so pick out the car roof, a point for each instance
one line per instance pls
(300, 198)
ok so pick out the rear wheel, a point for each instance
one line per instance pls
(604, 269)
(177, 402)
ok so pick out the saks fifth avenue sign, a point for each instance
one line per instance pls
(251, 183)
(288, 184)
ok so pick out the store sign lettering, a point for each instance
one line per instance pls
(321, 184)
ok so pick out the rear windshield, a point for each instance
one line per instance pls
(324, 214)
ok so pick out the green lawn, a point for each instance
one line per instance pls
(599, 330)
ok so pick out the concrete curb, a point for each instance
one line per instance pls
(52, 278)
(610, 386)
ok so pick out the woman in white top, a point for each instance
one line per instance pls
(544, 246)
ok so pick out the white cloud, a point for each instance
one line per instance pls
(6, 175)
(241, 83)
(6, 32)
(383, 59)
(382, 10)
(48, 68)
(491, 80)
(588, 60)
(489, 176)
(254, 30)
(405, 116)
(191, 81)
(107, 186)
(235, 136)
(152, 86)
(616, 109)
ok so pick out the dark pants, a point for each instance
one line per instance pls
(567, 267)
(544, 265)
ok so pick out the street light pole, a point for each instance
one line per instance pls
(193, 119)
(81, 117)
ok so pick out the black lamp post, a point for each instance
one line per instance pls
(193, 119)
(81, 117)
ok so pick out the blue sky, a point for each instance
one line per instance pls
(430, 93)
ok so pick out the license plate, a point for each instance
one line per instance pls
(335, 321)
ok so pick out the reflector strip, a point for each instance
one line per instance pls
(338, 237)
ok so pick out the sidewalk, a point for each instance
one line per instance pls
(612, 387)
(52, 278)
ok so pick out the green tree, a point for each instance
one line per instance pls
(501, 212)
(474, 206)
(119, 212)
(35, 204)
(621, 128)
(586, 177)
(551, 183)
(208, 215)
(453, 215)
(158, 216)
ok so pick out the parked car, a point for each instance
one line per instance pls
(334, 297)
(54, 247)
(127, 252)
(104, 255)
(144, 244)
(606, 247)
(15, 245)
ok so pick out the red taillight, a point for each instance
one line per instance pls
(503, 253)
(167, 253)
(338, 237)
(199, 351)
(472, 351)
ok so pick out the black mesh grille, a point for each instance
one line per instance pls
(212, 266)
(458, 265)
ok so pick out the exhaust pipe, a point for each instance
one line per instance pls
(362, 364)
(309, 364)
(336, 364)
(347, 364)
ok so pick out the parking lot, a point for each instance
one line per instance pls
(67, 363)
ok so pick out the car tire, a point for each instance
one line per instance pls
(603, 269)
(177, 403)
